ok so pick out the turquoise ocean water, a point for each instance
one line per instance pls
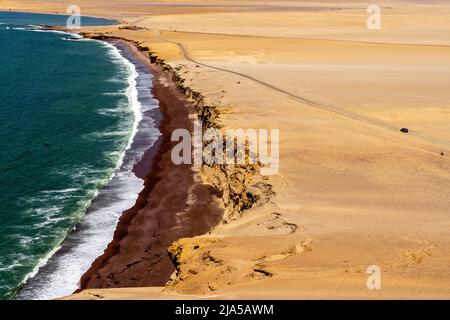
(69, 110)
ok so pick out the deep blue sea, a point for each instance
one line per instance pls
(69, 110)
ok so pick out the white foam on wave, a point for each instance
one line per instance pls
(115, 80)
(113, 93)
(100, 135)
(34, 28)
(42, 262)
(131, 93)
(60, 191)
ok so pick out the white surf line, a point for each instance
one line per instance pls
(131, 93)
(327, 107)
(41, 262)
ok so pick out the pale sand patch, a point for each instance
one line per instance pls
(352, 191)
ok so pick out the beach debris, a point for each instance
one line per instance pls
(404, 130)
(442, 154)
(238, 82)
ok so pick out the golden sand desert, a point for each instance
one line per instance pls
(352, 190)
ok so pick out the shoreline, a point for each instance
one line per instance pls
(187, 208)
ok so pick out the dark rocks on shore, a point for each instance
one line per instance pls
(404, 130)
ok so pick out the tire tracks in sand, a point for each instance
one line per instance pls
(438, 143)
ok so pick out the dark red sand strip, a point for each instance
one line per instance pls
(137, 255)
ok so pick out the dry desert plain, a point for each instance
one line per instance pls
(352, 190)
